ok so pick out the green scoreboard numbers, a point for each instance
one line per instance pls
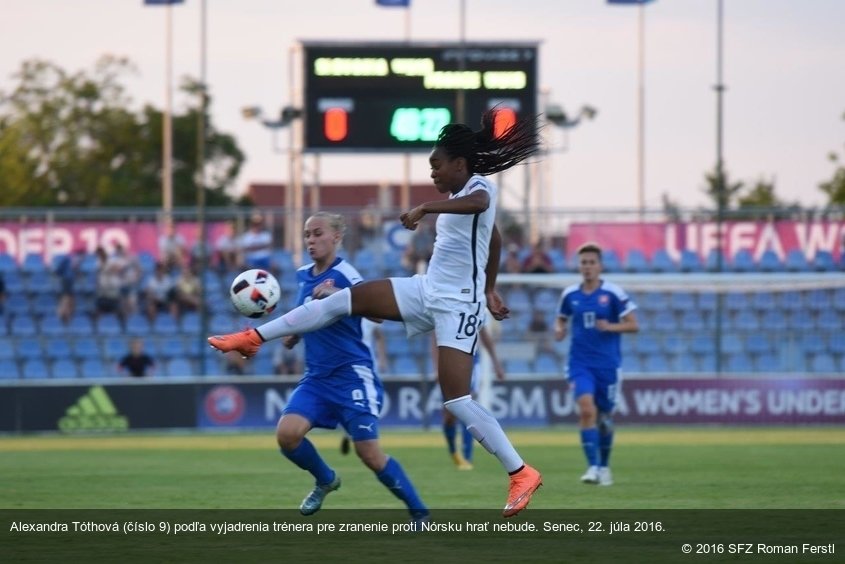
(395, 97)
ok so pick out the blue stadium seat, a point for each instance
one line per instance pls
(94, 368)
(546, 363)
(405, 366)
(707, 301)
(8, 263)
(27, 347)
(263, 365)
(648, 344)
(796, 261)
(824, 262)
(172, 348)
(7, 351)
(824, 362)
(179, 367)
(9, 369)
(759, 344)
(674, 343)
(773, 320)
(682, 301)
(88, 264)
(35, 368)
(632, 364)
(800, 321)
(558, 259)
(746, 321)
(146, 261)
(768, 363)
(665, 321)
(736, 301)
(109, 325)
(33, 265)
(770, 262)
(518, 300)
(138, 325)
(656, 363)
(57, 348)
(114, 348)
(819, 300)
(610, 261)
(711, 262)
(702, 344)
(731, 343)
(84, 348)
(743, 261)
(23, 326)
(690, 262)
(518, 366)
(809, 343)
(164, 324)
(190, 322)
(636, 261)
(836, 344)
(790, 301)
(546, 300)
(662, 262)
(65, 368)
(839, 300)
(738, 362)
(762, 301)
(686, 363)
(80, 326)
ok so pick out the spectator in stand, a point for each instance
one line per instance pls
(226, 249)
(160, 293)
(511, 263)
(187, 290)
(287, 362)
(256, 244)
(538, 262)
(136, 362)
(107, 297)
(67, 270)
(129, 269)
(172, 248)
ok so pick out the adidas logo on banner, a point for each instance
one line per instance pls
(93, 412)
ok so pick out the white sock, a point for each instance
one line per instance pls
(486, 430)
(310, 316)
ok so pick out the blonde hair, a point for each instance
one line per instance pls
(335, 221)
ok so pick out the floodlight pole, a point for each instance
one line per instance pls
(720, 177)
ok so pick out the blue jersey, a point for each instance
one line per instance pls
(591, 347)
(338, 344)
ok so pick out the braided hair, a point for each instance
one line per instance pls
(484, 152)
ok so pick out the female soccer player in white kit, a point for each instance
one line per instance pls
(450, 298)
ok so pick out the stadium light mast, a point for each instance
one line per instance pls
(720, 176)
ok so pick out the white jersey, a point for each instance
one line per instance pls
(461, 248)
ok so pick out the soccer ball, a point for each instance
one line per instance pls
(255, 293)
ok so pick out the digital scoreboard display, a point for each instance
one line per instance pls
(395, 97)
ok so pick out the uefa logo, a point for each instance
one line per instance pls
(224, 405)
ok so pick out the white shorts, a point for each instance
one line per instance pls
(455, 323)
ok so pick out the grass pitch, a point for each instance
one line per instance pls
(702, 468)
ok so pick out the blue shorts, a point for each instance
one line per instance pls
(601, 383)
(350, 396)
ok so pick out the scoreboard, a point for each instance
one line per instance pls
(395, 97)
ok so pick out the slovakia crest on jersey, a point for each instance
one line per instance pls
(604, 300)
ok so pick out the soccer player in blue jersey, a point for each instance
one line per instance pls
(340, 385)
(600, 312)
(450, 298)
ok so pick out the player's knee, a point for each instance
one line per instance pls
(587, 412)
(605, 422)
(287, 438)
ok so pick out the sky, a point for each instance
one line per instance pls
(783, 67)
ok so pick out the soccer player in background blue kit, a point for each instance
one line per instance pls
(600, 312)
(340, 384)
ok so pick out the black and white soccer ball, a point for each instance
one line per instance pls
(255, 293)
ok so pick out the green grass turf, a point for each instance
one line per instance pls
(653, 468)
(237, 478)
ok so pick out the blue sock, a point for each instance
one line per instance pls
(605, 444)
(394, 477)
(590, 444)
(450, 431)
(468, 441)
(306, 457)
